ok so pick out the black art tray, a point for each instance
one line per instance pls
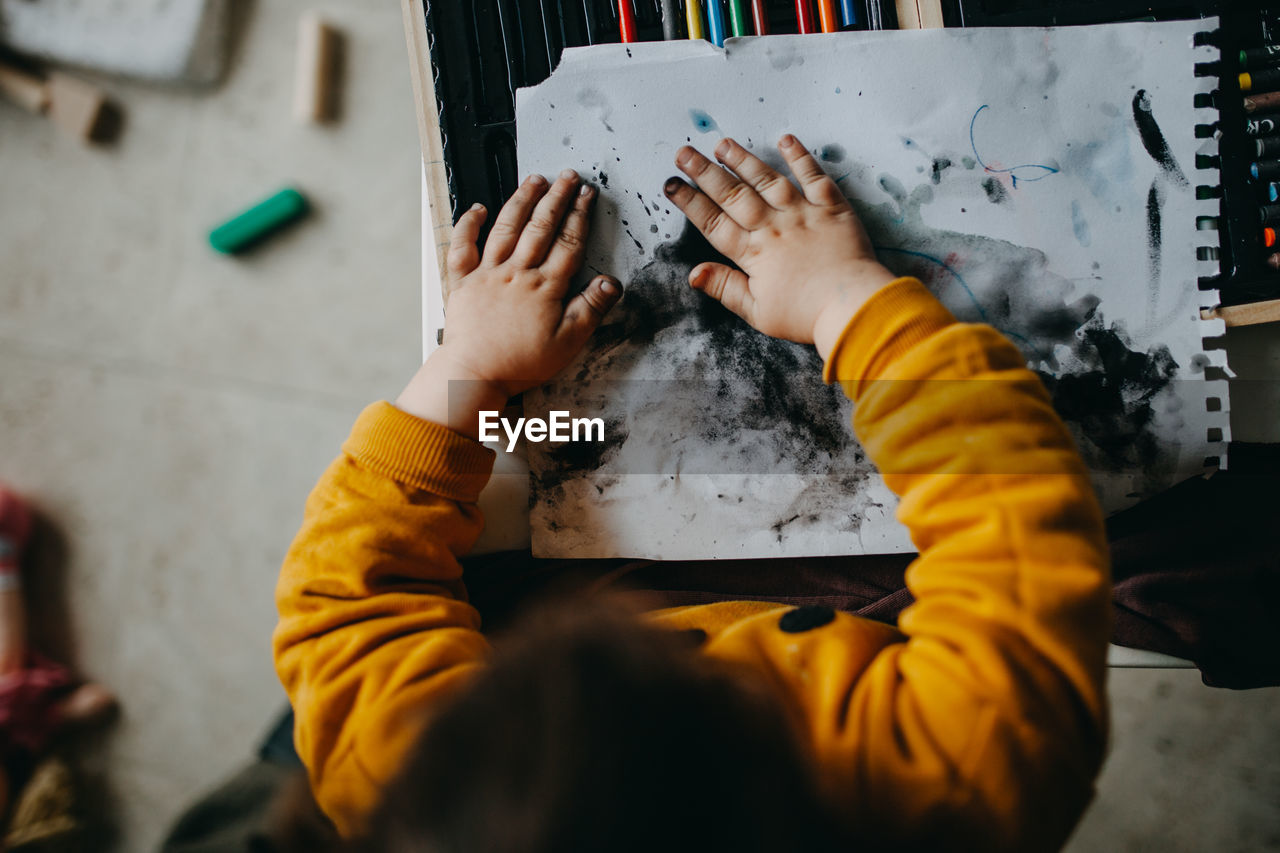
(482, 51)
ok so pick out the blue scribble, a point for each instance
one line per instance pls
(1013, 170)
(982, 313)
(1079, 225)
(703, 121)
(954, 273)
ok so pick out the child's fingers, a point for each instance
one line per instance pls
(544, 223)
(817, 184)
(718, 227)
(732, 195)
(727, 286)
(585, 311)
(512, 218)
(464, 255)
(565, 257)
(772, 187)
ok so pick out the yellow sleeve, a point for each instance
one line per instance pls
(987, 726)
(374, 621)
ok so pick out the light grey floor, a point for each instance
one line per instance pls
(169, 409)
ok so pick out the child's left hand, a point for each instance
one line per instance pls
(510, 326)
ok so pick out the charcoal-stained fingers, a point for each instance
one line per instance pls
(511, 220)
(718, 227)
(565, 257)
(544, 223)
(817, 184)
(464, 255)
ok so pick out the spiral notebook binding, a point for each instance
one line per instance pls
(1206, 178)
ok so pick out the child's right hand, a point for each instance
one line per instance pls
(806, 263)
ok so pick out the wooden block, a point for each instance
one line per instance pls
(26, 90)
(908, 14)
(315, 78)
(76, 106)
(930, 14)
(1250, 314)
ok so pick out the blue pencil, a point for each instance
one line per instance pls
(715, 22)
(849, 12)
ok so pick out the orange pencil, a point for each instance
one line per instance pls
(827, 17)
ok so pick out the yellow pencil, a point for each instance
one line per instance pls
(693, 19)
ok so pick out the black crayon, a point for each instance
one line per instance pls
(1264, 80)
(1260, 57)
(670, 20)
(1265, 171)
(1269, 213)
(1263, 125)
(1267, 147)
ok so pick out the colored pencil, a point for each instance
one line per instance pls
(760, 17)
(827, 19)
(715, 22)
(1260, 57)
(738, 19)
(1268, 237)
(849, 13)
(1265, 80)
(1270, 213)
(1265, 171)
(1268, 146)
(626, 21)
(1262, 125)
(670, 22)
(693, 19)
(1263, 101)
(804, 17)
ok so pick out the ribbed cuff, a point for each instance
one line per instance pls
(419, 453)
(900, 315)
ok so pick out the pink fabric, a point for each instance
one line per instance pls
(28, 704)
(15, 528)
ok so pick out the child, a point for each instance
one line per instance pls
(979, 722)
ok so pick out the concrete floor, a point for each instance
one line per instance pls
(168, 409)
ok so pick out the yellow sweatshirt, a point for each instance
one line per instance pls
(979, 722)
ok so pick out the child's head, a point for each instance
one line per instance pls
(589, 731)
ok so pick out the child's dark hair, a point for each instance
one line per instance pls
(590, 731)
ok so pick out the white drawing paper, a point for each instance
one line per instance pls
(1041, 180)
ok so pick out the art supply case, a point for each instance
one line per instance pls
(483, 51)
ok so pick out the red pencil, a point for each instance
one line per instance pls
(827, 16)
(760, 17)
(804, 16)
(627, 20)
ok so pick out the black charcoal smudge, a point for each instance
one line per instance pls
(832, 153)
(758, 402)
(1112, 401)
(1153, 140)
(596, 100)
(577, 456)
(1108, 392)
(996, 193)
(939, 165)
(1155, 242)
